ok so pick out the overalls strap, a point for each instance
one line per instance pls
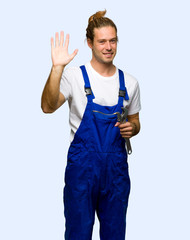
(123, 94)
(87, 86)
(122, 90)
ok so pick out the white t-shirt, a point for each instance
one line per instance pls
(105, 90)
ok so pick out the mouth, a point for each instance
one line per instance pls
(110, 54)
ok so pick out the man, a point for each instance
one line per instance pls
(96, 176)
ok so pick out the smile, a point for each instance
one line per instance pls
(108, 54)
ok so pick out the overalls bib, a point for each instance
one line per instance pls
(96, 175)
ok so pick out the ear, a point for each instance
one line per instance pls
(89, 43)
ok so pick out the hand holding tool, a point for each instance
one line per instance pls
(122, 118)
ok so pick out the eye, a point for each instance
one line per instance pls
(113, 41)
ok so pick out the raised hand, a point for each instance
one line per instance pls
(59, 51)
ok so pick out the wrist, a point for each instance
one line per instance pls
(58, 69)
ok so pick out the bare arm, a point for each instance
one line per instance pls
(52, 98)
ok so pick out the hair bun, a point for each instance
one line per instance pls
(98, 20)
(99, 14)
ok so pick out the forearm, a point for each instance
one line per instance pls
(50, 95)
(135, 126)
(134, 120)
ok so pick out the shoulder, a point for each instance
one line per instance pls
(71, 80)
(130, 80)
(72, 71)
(132, 85)
(72, 76)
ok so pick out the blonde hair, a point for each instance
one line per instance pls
(98, 20)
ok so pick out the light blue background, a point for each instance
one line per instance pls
(153, 46)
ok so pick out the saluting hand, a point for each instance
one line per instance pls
(59, 51)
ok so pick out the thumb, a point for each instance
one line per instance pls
(74, 53)
(117, 124)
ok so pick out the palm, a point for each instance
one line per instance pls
(59, 52)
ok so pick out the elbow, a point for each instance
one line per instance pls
(45, 106)
(46, 109)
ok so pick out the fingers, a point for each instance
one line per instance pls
(126, 130)
(52, 42)
(57, 42)
(61, 38)
(56, 39)
(127, 135)
(67, 41)
(59, 49)
(60, 43)
(117, 124)
(125, 127)
(122, 125)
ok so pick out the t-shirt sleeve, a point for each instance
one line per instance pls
(65, 85)
(135, 104)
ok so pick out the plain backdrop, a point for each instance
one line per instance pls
(154, 47)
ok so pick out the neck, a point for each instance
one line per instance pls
(104, 69)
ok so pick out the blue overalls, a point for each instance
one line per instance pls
(96, 175)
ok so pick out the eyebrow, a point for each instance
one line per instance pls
(115, 38)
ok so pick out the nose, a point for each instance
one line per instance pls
(108, 46)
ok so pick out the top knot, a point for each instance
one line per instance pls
(99, 14)
(98, 20)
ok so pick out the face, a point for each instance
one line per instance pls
(104, 46)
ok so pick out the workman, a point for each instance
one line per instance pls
(96, 175)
